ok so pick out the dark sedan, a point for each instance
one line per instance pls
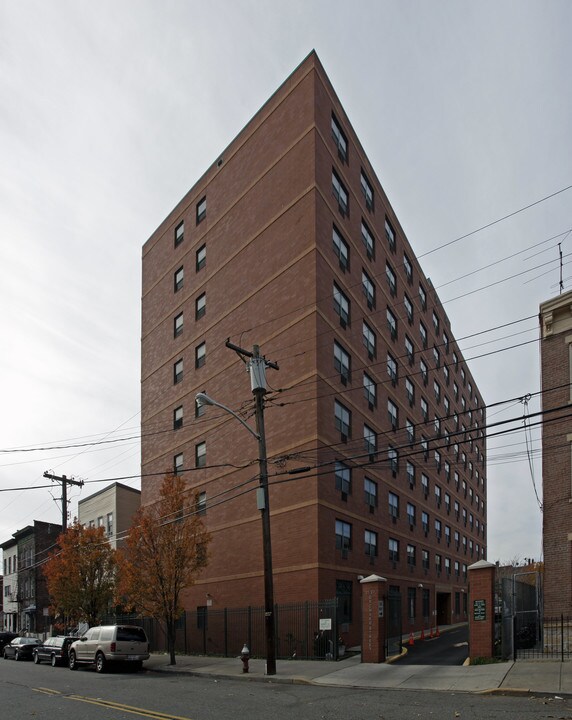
(5, 638)
(21, 648)
(54, 650)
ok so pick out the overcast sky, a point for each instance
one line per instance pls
(110, 111)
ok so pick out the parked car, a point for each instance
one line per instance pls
(108, 644)
(21, 648)
(6, 637)
(54, 649)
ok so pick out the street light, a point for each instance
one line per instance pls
(258, 390)
(203, 399)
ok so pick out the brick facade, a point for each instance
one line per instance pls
(556, 343)
(271, 277)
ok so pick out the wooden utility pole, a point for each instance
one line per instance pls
(65, 481)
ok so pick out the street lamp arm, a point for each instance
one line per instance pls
(202, 399)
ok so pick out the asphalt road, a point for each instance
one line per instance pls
(44, 693)
(450, 648)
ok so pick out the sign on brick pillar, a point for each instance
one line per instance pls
(481, 609)
(373, 613)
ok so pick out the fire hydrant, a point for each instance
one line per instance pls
(245, 657)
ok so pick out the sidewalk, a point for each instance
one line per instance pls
(541, 676)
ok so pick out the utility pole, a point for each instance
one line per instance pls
(257, 369)
(65, 481)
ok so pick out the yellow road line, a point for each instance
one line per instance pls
(47, 691)
(126, 708)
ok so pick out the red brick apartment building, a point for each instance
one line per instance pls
(556, 370)
(288, 241)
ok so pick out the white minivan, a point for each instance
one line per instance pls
(107, 644)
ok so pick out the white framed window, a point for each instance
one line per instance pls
(343, 535)
(368, 289)
(392, 368)
(370, 390)
(369, 439)
(343, 475)
(178, 325)
(200, 355)
(340, 193)
(341, 249)
(201, 454)
(369, 340)
(178, 418)
(341, 306)
(200, 306)
(178, 279)
(179, 233)
(342, 362)
(340, 139)
(368, 240)
(342, 419)
(391, 279)
(370, 541)
(201, 258)
(392, 414)
(370, 493)
(390, 235)
(201, 210)
(367, 190)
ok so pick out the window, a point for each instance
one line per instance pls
(438, 496)
(341, 306)
(392, 414)
(425, 484)
(340, 139)
(463, 376)
(200, 306)
(201, 257)
(392, 368)
(424, 370)
(410, 474)
(423, 333)
(457, 539)
(437, 425)
(446, 404)
(199, 410)
(369, 440)
(411, 514)
(446, 374)
(178, 325)
(370, 539)
(447, 534)
(343, 477)
(393, 505)
(393, 458)
(370, 390)
(408, 308)
(100, 521)
(438, 564)
(424, 409)
(109, 524)
(200, 355)
(178, 279)
(438, 460)
(344, 601)
(369, 340)
(393, 546)
(342, 362)
(178, 371)
(411, 560)
(425, 521)
(425, 447)
(410, 391)
(391, 279)
(409, 350)
(368, 240)
(437, 391)
(390, 235)
(410, 429)
(178, 463)
(340, 193)
(200, 454)
(438, 531)
(178, 418)
(368, 289)
(343, 536)
(446, 342)
(425, 561)
(423, 297)
(342, 420)
(391, 324)
(408, 268)
(435, 323)
(436, 357)
(341, 249)
(201, 210)
(448, 565)
(370, 493)
(202, 503)
(455, 360)
(367, 190)
(179, 233)
(456, 390)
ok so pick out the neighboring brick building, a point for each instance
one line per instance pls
(556, 372)
(24, 555)
(111, 508)
(288, 241)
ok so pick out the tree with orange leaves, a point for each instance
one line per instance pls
(165, 550)
(80, 575)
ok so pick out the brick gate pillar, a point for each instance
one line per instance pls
(373, 613)
(481, 609)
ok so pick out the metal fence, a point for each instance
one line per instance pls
(305, 631)
(551, 638)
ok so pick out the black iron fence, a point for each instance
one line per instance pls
(549, 638)
(305, 631)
